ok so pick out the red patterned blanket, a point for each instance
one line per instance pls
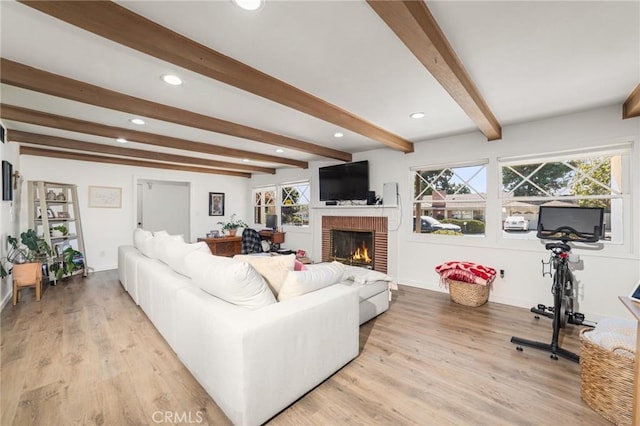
(467, 272)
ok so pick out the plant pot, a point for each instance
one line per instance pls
(232, 232)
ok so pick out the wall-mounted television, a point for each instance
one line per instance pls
(349, 181)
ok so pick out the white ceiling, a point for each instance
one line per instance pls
(529, 59)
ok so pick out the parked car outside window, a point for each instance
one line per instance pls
(429, 224)
(516, 223)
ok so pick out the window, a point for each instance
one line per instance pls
(592, 179)
(294, 206)
(264, 203)
(450, 200)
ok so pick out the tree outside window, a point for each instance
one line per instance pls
(294, 206)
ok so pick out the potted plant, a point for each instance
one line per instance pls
(59, 231)
(72, 260)
(32, 249)
(232, 226)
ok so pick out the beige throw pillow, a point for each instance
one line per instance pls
(314, 278)
(274, 269)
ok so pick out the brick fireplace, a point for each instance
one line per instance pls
(375, 226)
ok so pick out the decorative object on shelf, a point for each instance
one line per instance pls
(63, 215)
(213, 234)
(105, 197)
(59, 231)
(61, 197)
(50, 214)
(232, 226)
(7, 189)
(216, 204)
(51, 196)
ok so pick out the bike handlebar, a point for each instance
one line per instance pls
(566, 233)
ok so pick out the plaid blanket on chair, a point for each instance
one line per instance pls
(251, 242)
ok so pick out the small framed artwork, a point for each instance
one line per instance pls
(7, 174)
(50, 214)
(216, 204)
(59, 248)
(63, 215)
(105, 197)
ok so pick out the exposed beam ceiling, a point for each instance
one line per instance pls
(413, 23)
(49, 153)
(57, 142)
(30, 78)
(116, 23)
(631, 107)
(10, 112)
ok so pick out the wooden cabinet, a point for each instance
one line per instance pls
(224, 246)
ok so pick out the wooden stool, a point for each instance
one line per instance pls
(27, 275)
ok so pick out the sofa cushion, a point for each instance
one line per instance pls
(314, 278)
(274, 269)
(228, 279)
(175, 255)
(140, 236)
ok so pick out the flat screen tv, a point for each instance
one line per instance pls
(272, 221)
(349, 181)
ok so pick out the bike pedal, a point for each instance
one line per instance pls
(542, 307)
(578, 317)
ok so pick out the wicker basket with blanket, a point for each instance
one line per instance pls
(606, 368)
(469, 283)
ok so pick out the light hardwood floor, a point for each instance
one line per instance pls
(87, 355)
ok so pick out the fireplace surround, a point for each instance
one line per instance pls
(374, 227)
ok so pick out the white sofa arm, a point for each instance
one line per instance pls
(256, 363)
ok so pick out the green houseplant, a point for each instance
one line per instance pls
(31, 249)
(232, 226)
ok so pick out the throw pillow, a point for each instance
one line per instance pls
(274, 269)
(314, 278)
(140, 236)
(176, 253)
(230, 280)
(163, 246)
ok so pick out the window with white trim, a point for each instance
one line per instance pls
(450, 199)
(264, 203)
(596, 178)
(294, 204)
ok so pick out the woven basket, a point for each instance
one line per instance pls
(606, 381)
(468, 294)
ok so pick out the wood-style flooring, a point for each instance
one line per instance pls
(87, 355)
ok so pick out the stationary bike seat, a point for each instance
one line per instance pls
(560, 245)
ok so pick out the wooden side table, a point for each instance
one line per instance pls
(634, 308)
(224, 246)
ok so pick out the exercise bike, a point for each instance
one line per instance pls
(589, 223)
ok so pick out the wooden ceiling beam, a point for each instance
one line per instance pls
(50, 153)
(631, 107)
(30, 78)
(57, 142)
(116, 23)
(24, 115)
(414, 25)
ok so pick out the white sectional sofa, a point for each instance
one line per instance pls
(254, 362)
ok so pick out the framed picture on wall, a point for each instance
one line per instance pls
(216, 204)
(105, 197)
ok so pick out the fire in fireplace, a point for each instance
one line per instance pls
(352, 247)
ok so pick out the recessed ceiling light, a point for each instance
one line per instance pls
(417, 115)
(138, 121)
(246, 160)
(121, 140)
(174, 80)
(338, 134)
(249, 4)
(279, 150)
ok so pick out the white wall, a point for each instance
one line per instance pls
(106, 229)
(607, 273)
(8, 217)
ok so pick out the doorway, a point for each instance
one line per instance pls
(164, 205)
